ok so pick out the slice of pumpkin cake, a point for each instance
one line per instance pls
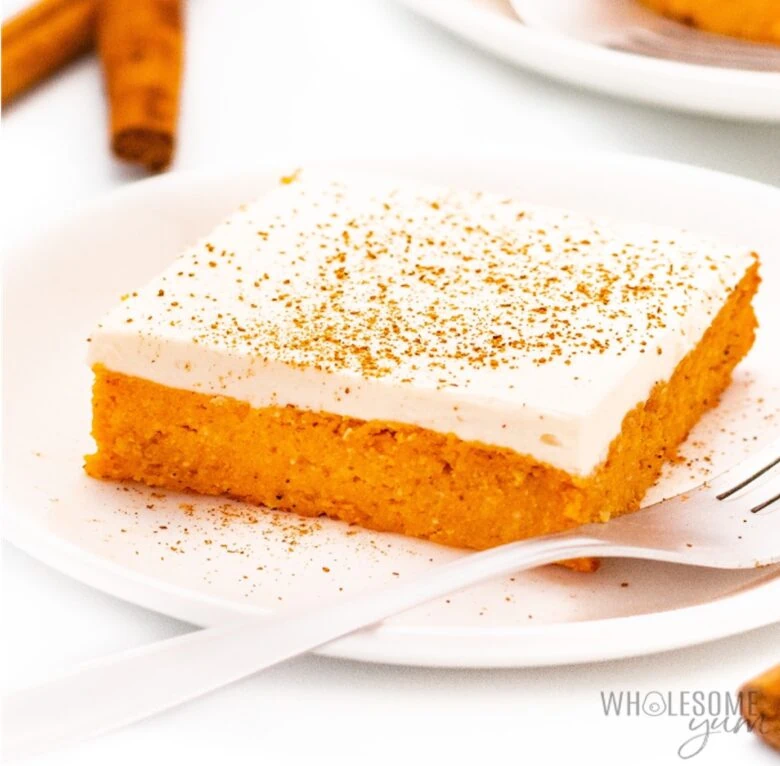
(453, 365)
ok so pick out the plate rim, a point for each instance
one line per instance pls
(430, 646)
(753, 96)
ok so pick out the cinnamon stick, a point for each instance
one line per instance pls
(141, 45)
(760, 706)
(42, 39)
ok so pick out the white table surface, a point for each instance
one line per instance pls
(267, 80)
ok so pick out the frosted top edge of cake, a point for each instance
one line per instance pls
(465, 312)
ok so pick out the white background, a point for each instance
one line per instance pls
(266, 81)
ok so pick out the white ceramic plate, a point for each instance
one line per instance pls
(493, 26)
(205, 561)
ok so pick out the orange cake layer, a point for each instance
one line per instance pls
(757, 20)
(397, 477)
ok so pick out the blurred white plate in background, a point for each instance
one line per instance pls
(494, 26)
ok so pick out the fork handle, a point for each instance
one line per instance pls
(120, 689)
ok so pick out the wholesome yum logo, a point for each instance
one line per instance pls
(707, 713)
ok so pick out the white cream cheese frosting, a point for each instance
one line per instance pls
(467, 313)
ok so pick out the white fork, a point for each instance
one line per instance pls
(627, 26)
(731, 522)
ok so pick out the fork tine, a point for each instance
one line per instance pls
(759, 496)
(765, 504)
(721, 43)
(650, 42)
(747, 471)
(642, 48)
(749, 479)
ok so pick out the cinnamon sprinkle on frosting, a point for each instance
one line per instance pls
(426, 280)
